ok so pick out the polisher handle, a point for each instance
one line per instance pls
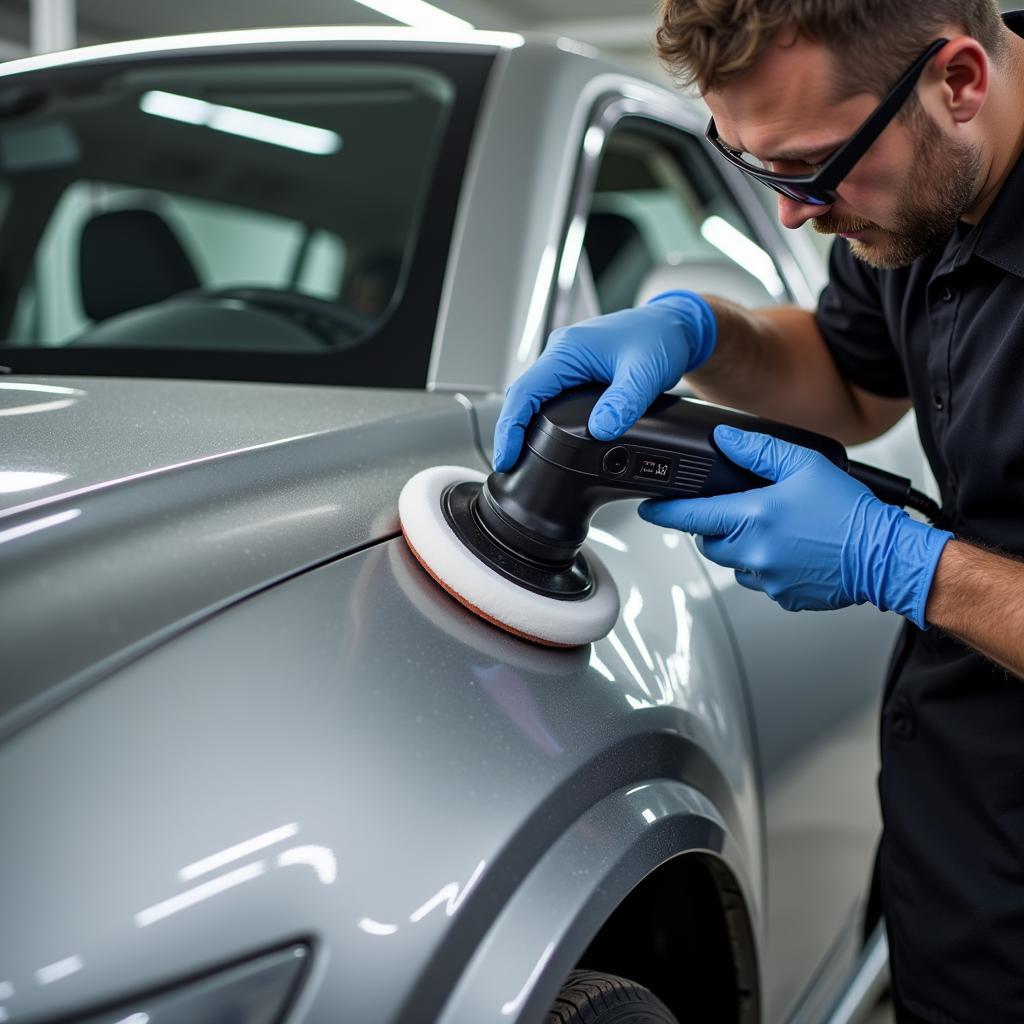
(542, 507)
(670, 452)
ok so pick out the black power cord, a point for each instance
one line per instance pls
(897, 490)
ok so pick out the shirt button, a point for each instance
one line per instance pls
(948, 294)
(901, 720)
(939, 401)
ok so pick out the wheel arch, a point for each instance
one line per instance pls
(583, 903)
(686, 920)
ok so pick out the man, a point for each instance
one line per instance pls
(898, 127)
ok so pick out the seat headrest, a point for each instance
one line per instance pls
(128, 259)
(710, 275)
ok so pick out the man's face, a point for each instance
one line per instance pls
(902, 198)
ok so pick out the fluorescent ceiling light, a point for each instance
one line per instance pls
(247, 123)
(418, 14)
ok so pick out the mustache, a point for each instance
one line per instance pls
(830, 224)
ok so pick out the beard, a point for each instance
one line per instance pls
(930, 206)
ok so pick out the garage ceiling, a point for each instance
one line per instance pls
(620, 26)
(102, 20)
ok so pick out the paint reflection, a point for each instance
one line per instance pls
(320, 859)
(661, 678)
(13, 400)
(450, 896)
(57, 971)
(13, 481)
(45, 523)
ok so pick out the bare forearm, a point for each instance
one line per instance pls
(978, 597)
(774, 363)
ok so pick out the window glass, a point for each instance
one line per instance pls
(661, 218)
(144, 194)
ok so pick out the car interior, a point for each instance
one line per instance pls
(116, 203)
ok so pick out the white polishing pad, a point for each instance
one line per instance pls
(533, 616)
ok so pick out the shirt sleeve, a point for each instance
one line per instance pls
(852, 321)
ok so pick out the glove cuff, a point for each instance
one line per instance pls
(910, 568)
(699, 319)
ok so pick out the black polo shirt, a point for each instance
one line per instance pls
(948, 331)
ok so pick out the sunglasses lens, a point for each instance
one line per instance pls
(800, 195)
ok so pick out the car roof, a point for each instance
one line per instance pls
(399, 39)
(262, 38)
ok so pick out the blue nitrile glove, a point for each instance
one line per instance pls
(815, 539)
(640, 352)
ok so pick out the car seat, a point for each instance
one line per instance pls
(129, 259)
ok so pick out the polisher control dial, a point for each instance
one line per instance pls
(616, 460)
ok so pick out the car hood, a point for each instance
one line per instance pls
(130, 508)
(67, 436)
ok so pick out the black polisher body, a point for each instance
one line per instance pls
(530, 523)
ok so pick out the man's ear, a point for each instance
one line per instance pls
(961, 72)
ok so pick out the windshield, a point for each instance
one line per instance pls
(281, 217)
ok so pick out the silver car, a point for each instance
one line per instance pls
(254, 764)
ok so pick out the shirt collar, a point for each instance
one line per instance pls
(997, 237)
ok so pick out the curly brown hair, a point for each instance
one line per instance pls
(707, 42)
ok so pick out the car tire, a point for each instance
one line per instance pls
(589, 997)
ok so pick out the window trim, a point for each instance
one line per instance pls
(606, 114)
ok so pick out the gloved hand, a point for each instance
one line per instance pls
(640, 352)
(815, 539)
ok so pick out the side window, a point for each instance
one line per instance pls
(204, 244)
(662, 218)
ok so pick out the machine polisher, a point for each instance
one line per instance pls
(511, 546)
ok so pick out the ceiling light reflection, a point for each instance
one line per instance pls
(450, 895)
(14, 532)
(371, 927)
(277, 131)
(593, 141)
(623, 654)
(12, 481)
(191, 897)
(636, 703)
(320, 858)
(61, 969)
(68, 397)
(571, 252)
(600, 666)
(237, 852)
(538, 302)
(42, 389)
(607, 539)
(513, 1005)
(745, 253)
(634, 606)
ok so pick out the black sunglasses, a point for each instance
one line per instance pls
(818, 189)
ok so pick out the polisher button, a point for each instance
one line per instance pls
(616, 460)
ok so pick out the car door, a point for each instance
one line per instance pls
(658, 216)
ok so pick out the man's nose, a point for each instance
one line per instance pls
(793, 214)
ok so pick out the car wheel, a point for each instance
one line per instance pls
(592, 998)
